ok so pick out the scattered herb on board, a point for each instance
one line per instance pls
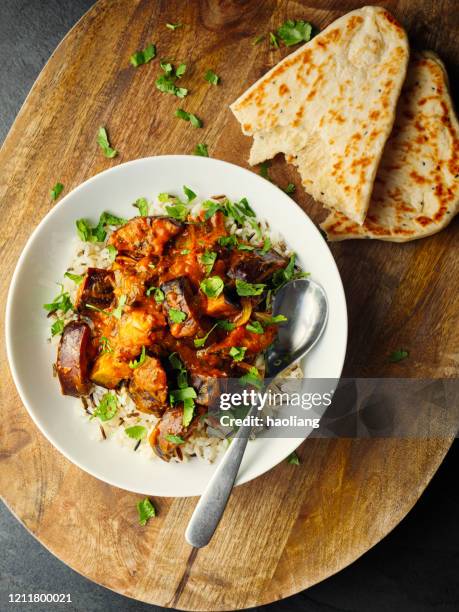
(293, 459)
(201, 149)
(143, 57)
(273, 40)
(166, 82)
(212, 78)
(258, 39)
(264, 170)
(398, 355)
(56, 191)
(294, 32)
(290, 189)
(146, 511)
(103, 142)
(174, 26)
(182, 114)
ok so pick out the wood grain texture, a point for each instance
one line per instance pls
(295, 525)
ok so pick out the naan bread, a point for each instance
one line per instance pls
(416, 190)
(334, 100)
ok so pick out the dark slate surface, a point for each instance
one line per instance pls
(414, 569)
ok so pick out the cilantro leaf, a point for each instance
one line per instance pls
(258, 39)
(189, 193)
(294, 32)
(76, 278)
(237, 352)
(175, 439)
(61, 302)
(142, 205)
(143, 57)
(57, 327)
(244, 288)
(102, 141)
(398, 355)
(200, 342)
(174, 26)
(177, 316)
(178, 211)
(181, 69)
(255, 327)
(137, 432)
(188, 412)
(112, 251)
(228, 241)
(195, 121)
(273, 40)
(107, 408)
(201, 149)
(252, 377)
(179, 395)
(146, 511)
(138, 362)
(290, 188)
(208, 259)
(212, 286)
(226, 325)
(118, 311)
(293, 459)
(56, 191)
(264, 170)
(211, 77)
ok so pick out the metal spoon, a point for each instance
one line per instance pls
(305, 305)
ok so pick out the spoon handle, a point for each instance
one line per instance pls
(212, 504)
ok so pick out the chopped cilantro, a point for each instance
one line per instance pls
(212, 286)
(56, 191)
(174, 26)
(398, 355)
(175, 439)
(237, 352)
(159, 296)
(142, 205)
(208, 259)
(254, 327)
(105, 344)
(244, 288)
(195, 121)
(102, 141)
(107, 408)
(228, 241)
(137, 432)
(264, 170)
(290, 188)
(189, 193)
(57, 327)
(61, 302)
(200, 342)
(138, 362)
(118, 311)
(112, 251)
(294, 32)
(143, 57)
(176, 316)
(266, 245)
(188, 412)
(293, 459)
(201, 149)
(258, 39)
(212, 78)
(273, 40)
(146, 511)
(252, 377)
(179, 395)
(76, 278)
(226, 325)
(178, 211)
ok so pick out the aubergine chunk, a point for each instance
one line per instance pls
(221, 306)
(255, 266)
(148, 387)
(171, 424)
(145, 236)
(208, 384)
(73, 358)
(179, 299)
(96, 289)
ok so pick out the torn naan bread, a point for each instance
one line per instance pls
(416, 190)
(334, 100)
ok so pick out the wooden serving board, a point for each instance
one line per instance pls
(294, 526)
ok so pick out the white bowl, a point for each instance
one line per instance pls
(44, 260)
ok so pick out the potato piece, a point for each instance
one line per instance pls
(133, 332)
(220, 306)
(108, 371)
(73, 358)
(148, 387)
(145, 236)
(95, 289)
